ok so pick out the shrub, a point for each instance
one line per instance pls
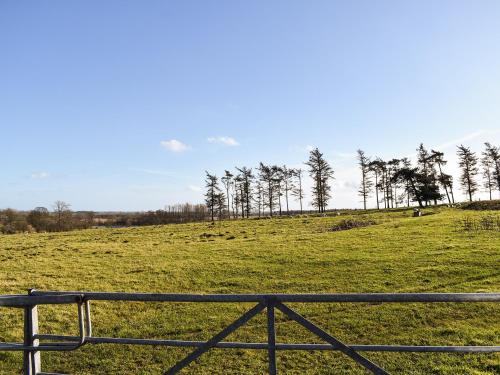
(351, 224)
(481, 205)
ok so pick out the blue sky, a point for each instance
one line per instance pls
(92, 93)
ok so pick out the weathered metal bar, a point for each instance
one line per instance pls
(309, 298)
(265, 346)
(363, 361)
(31, 358)
(271, 337)
(32, 347)
(39, 299)
(88, 321)
(215, 339)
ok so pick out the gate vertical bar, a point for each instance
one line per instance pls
(271, 337)
(31, 359)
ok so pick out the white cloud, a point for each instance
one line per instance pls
(194, 188)
(40, 175)
(174, 145)
(228, 141)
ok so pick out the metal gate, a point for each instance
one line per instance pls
(35, 343)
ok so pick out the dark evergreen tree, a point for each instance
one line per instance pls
(469, 170)
(212, 195)
(267, 176)
(321, 173)
(428, 176)
(445, 180)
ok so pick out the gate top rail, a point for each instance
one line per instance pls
(18, 300)
(309, 298)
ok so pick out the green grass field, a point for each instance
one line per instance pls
(301, 255)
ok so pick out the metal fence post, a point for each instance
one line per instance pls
(271, 336)
(31, 359)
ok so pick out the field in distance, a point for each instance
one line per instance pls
(395, 253)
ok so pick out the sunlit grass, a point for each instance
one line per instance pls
(301, 255)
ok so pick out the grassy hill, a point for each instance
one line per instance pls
(398, 253)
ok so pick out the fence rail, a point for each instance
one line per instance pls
(34, 343)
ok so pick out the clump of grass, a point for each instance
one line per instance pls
(352, 224)
(483, 223)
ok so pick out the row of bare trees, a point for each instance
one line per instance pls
(397, 182)
(267, 188)
(61, 218)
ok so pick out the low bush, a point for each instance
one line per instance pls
(481, 205)
(351, 224)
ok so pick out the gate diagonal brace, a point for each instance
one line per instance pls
(363, 361)
(216, 339)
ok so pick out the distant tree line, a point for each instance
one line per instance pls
(61, 218)
(398, 182)
(267, 189)
(173, 214)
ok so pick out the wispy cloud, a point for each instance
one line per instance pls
(174, 145)
(228, 141)
(194, 188)
(455, 142)
(40, 175)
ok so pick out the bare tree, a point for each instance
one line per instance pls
(406, 164)
(392, 184)
(468, 164)
(377, 167)
(226, 181)
(489, 182)
(278, 183)
(297, 191)
(62, 213)
(493, 154)
(287, 175)
(259, 197)
(321, 173)
(366, 183)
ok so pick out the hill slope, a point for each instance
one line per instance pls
(397, 254)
